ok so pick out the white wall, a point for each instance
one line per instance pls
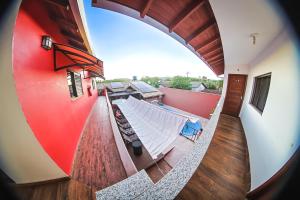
(22, 157)
(272, 136)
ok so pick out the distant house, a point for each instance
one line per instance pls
(137, 89)
(198, 86)
(147, 91)
(121, 90)
(165, 83)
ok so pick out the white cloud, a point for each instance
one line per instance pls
(154, 64)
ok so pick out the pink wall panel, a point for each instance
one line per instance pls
(198, 103)
(53, 116)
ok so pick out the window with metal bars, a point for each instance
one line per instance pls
(260, 91)
(75, 84)
(93, 83)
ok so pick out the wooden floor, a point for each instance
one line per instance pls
(61, 190)
(224, 172)
(97, 164)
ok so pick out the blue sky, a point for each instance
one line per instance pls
(130, 47)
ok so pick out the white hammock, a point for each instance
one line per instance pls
(156, 128)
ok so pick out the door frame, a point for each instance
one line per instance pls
(243, 96)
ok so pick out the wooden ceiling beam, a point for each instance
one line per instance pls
(212, 54)
(214, 58)
(216, 62)
(200, 30)
(146, 8)
(75, 41)
(185, 13)
(77, 45)
(71, 35)
(207, 43)
(63, 21)
(217, 65)
(211, 51)
(67, 23)
(60, 3)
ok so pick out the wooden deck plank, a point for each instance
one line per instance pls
(224, 172)
(97, 162)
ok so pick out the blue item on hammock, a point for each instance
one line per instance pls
(191, 128)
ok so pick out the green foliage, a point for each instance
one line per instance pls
(194, 79)
(167, 78)
(181, 82)
(210, 84)
(154, 81)
(213, 84)
(220, 84)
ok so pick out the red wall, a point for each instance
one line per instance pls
(198, 103)
(53, 116)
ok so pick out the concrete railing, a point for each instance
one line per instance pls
(125, 157)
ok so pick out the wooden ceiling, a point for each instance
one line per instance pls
(192, 20)
(60, 12)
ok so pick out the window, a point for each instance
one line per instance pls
(93, 83)
(74, 83)
(260, 91)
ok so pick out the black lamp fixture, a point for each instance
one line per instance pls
(253, 36)
(46, 42)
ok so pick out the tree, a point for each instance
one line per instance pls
(210, 84)
(181, 82)
(220, 84)
(195, 79)
(154, 81)
(213, 84)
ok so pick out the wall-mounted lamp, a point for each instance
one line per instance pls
(46, 42)
(253, 36)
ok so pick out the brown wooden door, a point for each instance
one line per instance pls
(235, 94)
